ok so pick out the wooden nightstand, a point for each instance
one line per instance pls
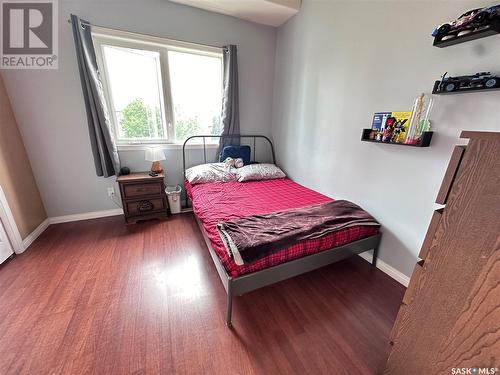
(143, 196)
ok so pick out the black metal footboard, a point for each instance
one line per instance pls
(255, 280)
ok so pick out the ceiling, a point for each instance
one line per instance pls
(267, 12)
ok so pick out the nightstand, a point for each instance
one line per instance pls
(143, 196)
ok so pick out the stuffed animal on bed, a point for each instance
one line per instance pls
(235, 163)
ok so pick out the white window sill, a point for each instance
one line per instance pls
(164, 146)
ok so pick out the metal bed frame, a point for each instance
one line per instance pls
(255, 280)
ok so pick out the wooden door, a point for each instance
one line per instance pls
(450, 316)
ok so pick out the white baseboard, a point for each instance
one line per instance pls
(30, 238)
(33, 235)
(387, 269)
(85, 216)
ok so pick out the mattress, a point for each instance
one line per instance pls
(215, 202)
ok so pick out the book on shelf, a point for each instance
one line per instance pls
(399, 122)
(379, 120)
(401, 126)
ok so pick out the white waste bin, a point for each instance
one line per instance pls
(174, 198)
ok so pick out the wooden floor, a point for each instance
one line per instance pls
(99, 297)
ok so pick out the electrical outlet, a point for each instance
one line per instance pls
(111, 192)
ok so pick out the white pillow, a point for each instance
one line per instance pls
(259, 172)
(212, 172)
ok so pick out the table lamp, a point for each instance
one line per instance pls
(155, 154)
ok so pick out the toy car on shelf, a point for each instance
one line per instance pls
(479, 80)
(467, 23)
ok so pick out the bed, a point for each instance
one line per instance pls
(216, 202)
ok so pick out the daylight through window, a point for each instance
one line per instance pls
(159, 92)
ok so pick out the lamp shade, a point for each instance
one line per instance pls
(154, 154)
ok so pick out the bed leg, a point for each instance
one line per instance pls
(375, 254)
(229, 322)
(375, 250)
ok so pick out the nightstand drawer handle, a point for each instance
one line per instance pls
(144, 206)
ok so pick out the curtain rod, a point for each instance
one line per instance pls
(178, 40)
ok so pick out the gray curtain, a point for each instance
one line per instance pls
(106, 158)
(230, 116)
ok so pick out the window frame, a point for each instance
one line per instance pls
(103, 36)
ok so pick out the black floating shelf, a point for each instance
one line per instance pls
(492, 29)
(425, 140)
(436, 91)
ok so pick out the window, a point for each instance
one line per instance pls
(159, 91)
(137, 99)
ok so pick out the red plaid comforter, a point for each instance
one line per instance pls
(217, 202)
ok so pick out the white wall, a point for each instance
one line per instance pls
(337, 62)
(49, 104)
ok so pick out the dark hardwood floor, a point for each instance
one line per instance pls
(100, 297)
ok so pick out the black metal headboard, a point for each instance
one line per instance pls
(235, 136)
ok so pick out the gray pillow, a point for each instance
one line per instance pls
(255, 172)
(212, 172)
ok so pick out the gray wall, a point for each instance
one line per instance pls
(49, 104)
(337, 63)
